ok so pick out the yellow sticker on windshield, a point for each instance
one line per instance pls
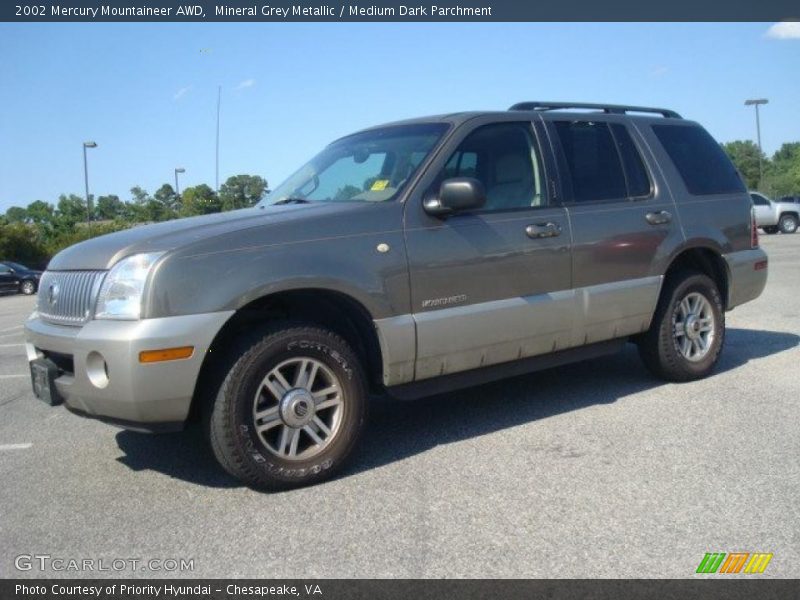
(379, 185)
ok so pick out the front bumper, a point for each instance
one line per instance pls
(747, 271)
(148, 397)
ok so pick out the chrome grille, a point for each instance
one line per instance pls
(67, 297)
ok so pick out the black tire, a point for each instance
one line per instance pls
(771, 230)
(788, 224)
(231, 423)
(658, 347)
(27, 287)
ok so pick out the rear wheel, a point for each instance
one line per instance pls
(290, 410)
(788, 224)
(688, 329)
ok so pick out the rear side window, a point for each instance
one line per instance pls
(635, 173)
(592, 159)
(701, 162)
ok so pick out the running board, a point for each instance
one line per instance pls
(464, 379)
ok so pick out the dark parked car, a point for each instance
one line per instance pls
(17, 278)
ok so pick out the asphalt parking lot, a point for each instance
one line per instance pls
(589, 470)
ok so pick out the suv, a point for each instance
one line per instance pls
(772, 216)
(404, 260)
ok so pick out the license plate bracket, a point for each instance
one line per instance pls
(43, 376)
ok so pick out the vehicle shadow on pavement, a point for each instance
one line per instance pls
(398, 430)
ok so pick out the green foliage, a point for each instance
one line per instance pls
(23, 243)
(783, 174)
(199, 200)
(16, 214)
(108, 207)
(745, 155)
(242, 191)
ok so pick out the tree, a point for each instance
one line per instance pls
(783, 175)
(242, 191)
(20, 242)
(16, 214)
(40, 212)
(199, 200)
(109, 207)
(167, 201)
(745, 156)
(71, 210)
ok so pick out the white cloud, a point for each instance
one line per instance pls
(181, 93)
(786, 30)
(246, 84)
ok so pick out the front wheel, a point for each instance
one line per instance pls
(788, 224)
(290, 410)
(685, 339)
(27, 287)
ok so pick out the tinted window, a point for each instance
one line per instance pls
(758, 200)
(502, 157)
(592, 160)
(701, 162)
(635, 173)
(4, 269)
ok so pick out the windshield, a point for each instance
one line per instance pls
(371, 166)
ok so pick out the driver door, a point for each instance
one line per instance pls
(491, 285)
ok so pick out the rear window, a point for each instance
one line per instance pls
(701, 162)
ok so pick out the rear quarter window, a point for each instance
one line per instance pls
(701, 162)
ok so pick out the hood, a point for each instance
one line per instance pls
(102, 252)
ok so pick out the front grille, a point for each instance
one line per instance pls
(67, 297)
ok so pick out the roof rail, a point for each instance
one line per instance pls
(617, 109)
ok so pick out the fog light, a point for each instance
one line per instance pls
(97, 369)
(151, 356)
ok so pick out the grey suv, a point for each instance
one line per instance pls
(407, 259)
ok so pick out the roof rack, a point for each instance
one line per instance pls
(617, 109)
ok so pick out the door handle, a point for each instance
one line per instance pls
(543, 230)
(658, 218)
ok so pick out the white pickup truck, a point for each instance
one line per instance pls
(772, 216)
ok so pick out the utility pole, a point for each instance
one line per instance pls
(758, 102)
(219, 100)
(86, 181)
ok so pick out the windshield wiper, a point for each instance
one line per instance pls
(291, 201)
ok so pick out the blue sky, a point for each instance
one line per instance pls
(147, 93)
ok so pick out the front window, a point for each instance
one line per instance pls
(372, 166)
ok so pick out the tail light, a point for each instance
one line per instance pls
(753, 229)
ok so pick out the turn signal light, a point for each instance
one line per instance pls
(151, 356)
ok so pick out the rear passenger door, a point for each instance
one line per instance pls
(622, 220)
(491, 285)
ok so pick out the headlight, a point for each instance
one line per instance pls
(120, 295)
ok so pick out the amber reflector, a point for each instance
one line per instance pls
(151, 356)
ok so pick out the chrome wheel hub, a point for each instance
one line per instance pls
(298, 408)
(693, 327)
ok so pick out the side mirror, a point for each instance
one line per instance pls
(456, 194)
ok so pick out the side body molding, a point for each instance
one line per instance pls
(455, 339)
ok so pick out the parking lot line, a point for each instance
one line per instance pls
(24, 446)
(10, 345)
(14, 375)
(11, 328)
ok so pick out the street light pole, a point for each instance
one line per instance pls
(177, 189)
(757, 102)
(86, 180)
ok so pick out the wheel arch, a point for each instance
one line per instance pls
(324, 307)
(708, 260)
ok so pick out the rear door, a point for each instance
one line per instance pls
(622, 220)
(490, 285)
